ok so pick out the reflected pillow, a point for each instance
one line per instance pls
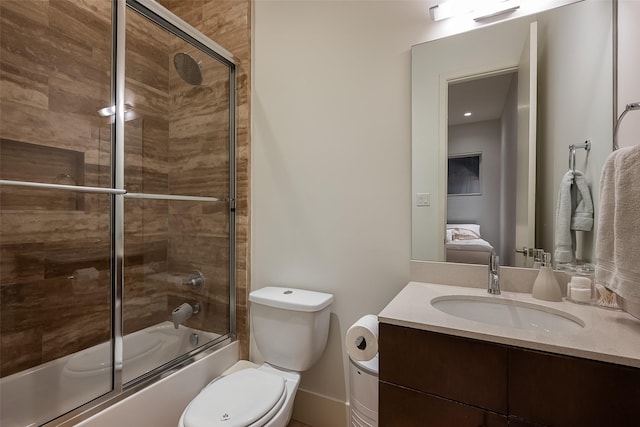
(472, 227)
(464, 234)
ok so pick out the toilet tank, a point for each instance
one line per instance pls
(290, 326)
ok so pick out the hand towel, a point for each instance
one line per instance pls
(617, 242)
(582, 215)
(563, 237)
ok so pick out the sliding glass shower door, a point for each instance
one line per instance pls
(177, 175)
(55, 237)
(117, 201)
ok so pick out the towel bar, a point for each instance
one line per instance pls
(572, 153)
(78, 188)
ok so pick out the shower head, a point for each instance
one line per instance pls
(188, 68)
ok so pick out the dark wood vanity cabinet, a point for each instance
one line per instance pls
(403, 407)
(433, 379)
(555, 390)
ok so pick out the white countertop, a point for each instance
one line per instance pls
(608, 335)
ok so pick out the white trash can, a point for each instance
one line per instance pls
(363, 379)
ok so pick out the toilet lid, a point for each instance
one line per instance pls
(237, 400)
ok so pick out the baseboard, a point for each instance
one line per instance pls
(316, 410)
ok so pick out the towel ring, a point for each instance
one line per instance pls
(630, 107)
(572, 153)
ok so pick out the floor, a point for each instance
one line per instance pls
(294, 423)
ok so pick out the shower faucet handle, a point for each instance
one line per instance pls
(196, 280)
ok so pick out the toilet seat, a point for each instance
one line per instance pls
(246, 398)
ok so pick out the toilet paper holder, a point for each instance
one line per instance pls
(361, 343)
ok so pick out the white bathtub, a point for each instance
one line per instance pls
(47, 391)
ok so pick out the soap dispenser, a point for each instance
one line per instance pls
(546, 286)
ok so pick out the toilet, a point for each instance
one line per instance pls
(290, 328)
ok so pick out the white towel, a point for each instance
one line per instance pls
(582, 214)
(563, 238)
(617, 243)
(574, 211)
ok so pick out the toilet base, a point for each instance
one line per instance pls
(292, 380)
(281, 419)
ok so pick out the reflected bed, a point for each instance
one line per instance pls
(464, 244)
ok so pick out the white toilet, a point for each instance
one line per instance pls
(290, 328)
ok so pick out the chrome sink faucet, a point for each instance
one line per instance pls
(494, 274)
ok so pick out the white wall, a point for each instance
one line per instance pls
(480, 137)
(331, 156)
(567, 113)
(629, 64)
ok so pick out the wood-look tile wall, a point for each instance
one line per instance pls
(199, 165)
(54, 272)
(55, 60)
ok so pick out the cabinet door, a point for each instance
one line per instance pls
(402, 407)
(558, 390)
(460, 369)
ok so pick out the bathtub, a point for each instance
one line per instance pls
(49, 390)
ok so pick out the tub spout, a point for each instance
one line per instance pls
(181, 313)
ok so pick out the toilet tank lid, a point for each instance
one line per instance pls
(291, 298)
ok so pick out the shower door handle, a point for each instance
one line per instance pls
(78, 188)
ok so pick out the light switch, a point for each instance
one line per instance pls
(423, 199)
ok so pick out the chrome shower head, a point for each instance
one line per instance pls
(188, 68)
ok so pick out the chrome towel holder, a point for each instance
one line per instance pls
(572, 153)
(629, 107)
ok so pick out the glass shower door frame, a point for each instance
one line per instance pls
(168, 21)
(165, 19)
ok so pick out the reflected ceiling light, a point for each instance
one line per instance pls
(111, 111)
(480, 9)
(495, 8)
(467, 114)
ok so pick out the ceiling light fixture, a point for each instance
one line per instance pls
(479, 9)
(495, 8)
(449, 9)
(467, 114)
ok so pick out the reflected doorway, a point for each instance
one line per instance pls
(481, 175)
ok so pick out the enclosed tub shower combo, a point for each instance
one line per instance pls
(117, 202)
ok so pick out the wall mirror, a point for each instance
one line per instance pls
(536, 85)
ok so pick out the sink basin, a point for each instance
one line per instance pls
(509, 313)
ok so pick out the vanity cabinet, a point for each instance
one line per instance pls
(433, 379)
(407, 407)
